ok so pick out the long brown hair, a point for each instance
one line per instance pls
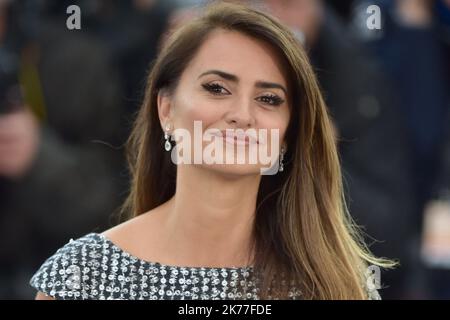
(303, 232)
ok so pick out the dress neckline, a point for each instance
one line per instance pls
(162, 265)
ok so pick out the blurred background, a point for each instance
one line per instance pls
(67, 99)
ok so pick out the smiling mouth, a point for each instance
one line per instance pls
(234, 139)
(237, 140)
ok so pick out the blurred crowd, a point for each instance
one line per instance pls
(68, 97)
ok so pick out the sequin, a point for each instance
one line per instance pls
(92, 267)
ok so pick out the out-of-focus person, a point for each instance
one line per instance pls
(57, 179)
(413, 48)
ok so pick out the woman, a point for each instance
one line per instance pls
(205, 230)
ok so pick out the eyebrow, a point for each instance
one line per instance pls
(234, 78)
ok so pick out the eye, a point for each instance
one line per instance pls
(215, 88)
(271, 99)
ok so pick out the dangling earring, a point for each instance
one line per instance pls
(167, 145)
(281, 167)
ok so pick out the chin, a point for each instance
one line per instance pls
(234, 170)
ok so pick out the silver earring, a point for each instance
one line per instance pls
(281, 166)
(167, 144)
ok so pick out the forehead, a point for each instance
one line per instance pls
(237, 53)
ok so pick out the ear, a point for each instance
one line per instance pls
(165, 111)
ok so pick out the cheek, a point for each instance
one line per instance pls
(278, 121)
(283, 123)
(194, 108)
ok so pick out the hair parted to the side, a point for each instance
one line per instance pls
(303, 231)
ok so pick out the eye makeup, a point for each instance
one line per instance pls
(269, 99)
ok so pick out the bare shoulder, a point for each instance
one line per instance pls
(43, 296)
(137, 235)
(128, 230)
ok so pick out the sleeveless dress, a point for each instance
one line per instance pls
(92, 267)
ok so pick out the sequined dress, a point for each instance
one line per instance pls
(92, 267)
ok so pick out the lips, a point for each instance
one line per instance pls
(236, 138)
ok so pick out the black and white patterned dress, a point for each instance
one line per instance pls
(92, 267)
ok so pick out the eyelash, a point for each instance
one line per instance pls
(213, 88)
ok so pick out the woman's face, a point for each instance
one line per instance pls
(233, 82)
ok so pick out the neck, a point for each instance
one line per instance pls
(210, 218)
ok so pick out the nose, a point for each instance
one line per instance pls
(241, 115)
